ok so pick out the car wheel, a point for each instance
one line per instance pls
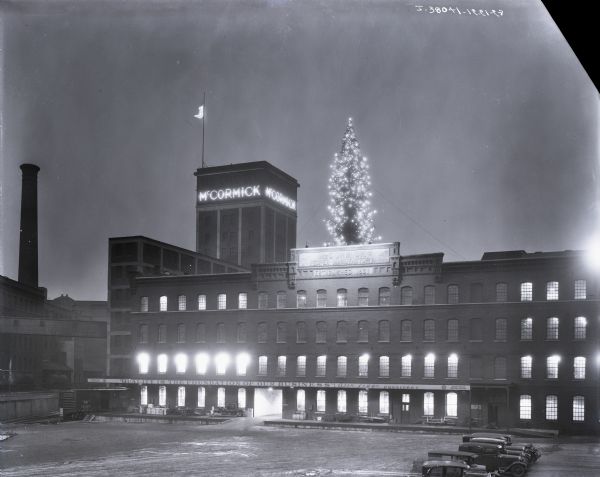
(518, 470)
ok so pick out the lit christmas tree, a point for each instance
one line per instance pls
(351, 220)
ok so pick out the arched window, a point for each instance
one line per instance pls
(222, 301)
(181, 396)
(384, 366)
(261, 332)
(452, 294)
(453, 366)
(181, 333)
(162, 333)
(525, 407)
(263, 300)
(201, 360)
(281, 332)
(144, 304)
(384, 402)
(526, 291)
(220, 397)
(262, 365)
(281, 365)
(580, 289)
(429, 295)
(201, 396)
(428, 330)
(342, 297)
(406, 330)
(451, 405)
(181, 303)
(578, 408)
(143, 363)
(301, 332)
(526, 363)
(241, 332)
(552, 291)
(363, 297)
(579, 367)
(301, 299)
(321, 400)
(201, 302)
(500, 367)
(363, 366)
(301, 366)
(143, 333)
(476, 329)
(341, 335)
(406, 366)
(580, 325)
(162, 395)
(428, 407)
(161, 362)
(363, 401)
(363, 331)
(220, 332)
(221, 363)
(452, 330)
(501, 328)
(242, 301)
(342, 366)
(406, 296)
(200, 333)
(551, 407)
(552, 328)
(181, 363)
(526, 329)
(341, 401)
(321, 336)
(300, 401)
(163, 303)
(241, 398)
(384, 331)
(144, 395)
(281, 299)
(384, 296)
(321, 366)
(552, 367)
(429, 366)
(501, 292)
(241, 364)
(321, 298)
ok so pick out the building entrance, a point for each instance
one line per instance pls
(268, 402)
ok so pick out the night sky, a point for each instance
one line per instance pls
(481, 132)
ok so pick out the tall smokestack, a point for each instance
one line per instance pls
(28, 243)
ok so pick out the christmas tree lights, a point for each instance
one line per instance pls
(351, 215)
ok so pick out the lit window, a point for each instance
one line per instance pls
(243, 301)
(525, 407)
(551, 408)
(526, 329)
(384, 402)
(580, 325)
(552, 291)
(263, 300)
(281, 299)
(363, 402)
(144, 304)
(363, 297)
(143, 362)
(580, 289)
(363, 331)
(220, 332)
(220, 397)
(452, 294)
(143, 333)
(222, 301)
(384, 331)
(341, 401)
(241, 364)
(180, 363)
(341, 332)
(552, 367)
(429, 293)
(181, 303)
(162, 395)
(301, 366)
(429, 369)
(201, 396)
(341, 366)
(406, 296)
(181, 333)
(452, 330)
(363, 365)
(321, 365)
(163, 303)
(384, 296)
(451, 405)
(406, 330)
(241, 398)
(321, 400)
(500, 367)
(201, 363)
(301, 299)
(144, 395)
(161, 362)
(300, 400)
(321, 336)
(501, 327)
(221, 362)
(579, 367)
(526, 291)
(578, 408)
(342, 297)
(241, 332)
(301, 332)
(281, 332)
(501, 292)
(384, 366)
(552, 328)
(406, 366)
(281, 361)
(201, 302)
(262, 365)
(261, 333)
(405, 402)
(526, 367)
(200, 333)
(428, 404)
(181, 396)
(429, 330)
(321, 298)
(453, 366)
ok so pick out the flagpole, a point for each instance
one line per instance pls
(203, 119)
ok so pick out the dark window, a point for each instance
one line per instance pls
(261, 334)
(281, 332)
(162, 334)
(406, 296)
(384, 296)
(500, 367)
(181, 333)
(476, 368)
(384, 331)
(406, 330)
(200, 333)
(301, 332)
(452, 294)
(363, 331)
(241, 332)
(476, 330)
(220, 332)
(501, 325)
(363, 297)
(501, 292)
(143, 338)
(429, 293)
(429, 330)
(453, 330)
(321, 336)
(476, 292)
(341, 336)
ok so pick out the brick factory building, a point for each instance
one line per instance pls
(249, 321)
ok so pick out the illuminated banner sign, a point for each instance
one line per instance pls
(326, 258)
(246, 192)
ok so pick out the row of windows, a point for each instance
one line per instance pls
(242, 361)
(384, 296)
(362, 331)
(578, 408)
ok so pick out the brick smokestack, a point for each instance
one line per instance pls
(28, 242)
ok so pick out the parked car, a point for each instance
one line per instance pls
(458, 456)
(510, 444)
(446, 468)
(495, 458)
(527, 454)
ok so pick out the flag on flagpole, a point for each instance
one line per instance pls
(200, 114)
